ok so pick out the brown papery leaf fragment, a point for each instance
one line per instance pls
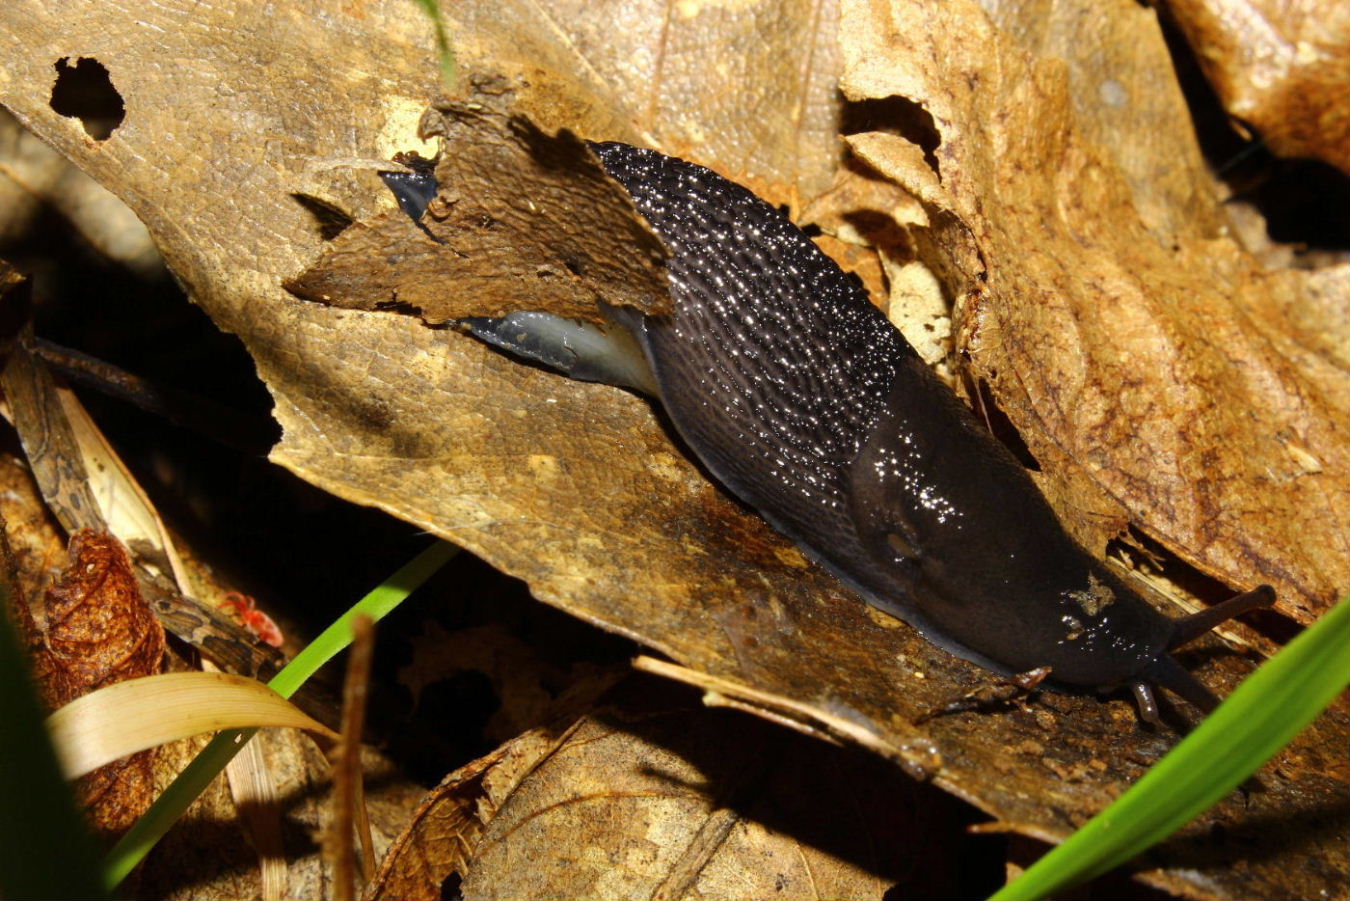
(94, 629)
(522, 221)
(445, 828)
(748, 88)
(1155, 361)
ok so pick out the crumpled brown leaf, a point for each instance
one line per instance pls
(1280, 67)
(575, 487)
(445, 828)
(667, 807)
(1156, 358)
(92, 629)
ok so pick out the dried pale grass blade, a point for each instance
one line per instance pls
(253, 788)
(142, 713)
(127, 510)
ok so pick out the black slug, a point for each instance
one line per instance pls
(800, 396)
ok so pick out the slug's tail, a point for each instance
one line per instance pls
(611, 353)
(1191, 627)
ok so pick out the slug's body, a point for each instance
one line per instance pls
(799, 395)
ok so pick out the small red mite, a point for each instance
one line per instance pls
(253, 619)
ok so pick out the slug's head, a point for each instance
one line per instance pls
(1078, 618)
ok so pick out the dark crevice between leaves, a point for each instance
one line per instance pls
(1000, 426)
(85, 91)
(1304, 202)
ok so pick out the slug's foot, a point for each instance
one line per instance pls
(993, 695)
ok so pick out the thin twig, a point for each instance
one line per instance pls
(347, 793)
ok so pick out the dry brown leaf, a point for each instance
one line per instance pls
(96, 630)
(575, 487)
(50, 443)
(525, 221)
(679, 803)
(748, 87)
(93, 630)
(446, 826)
(646, 801)
(1124, 98)
(1280, 67)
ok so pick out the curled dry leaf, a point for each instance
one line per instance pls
(681, 803)
(96, 630)
(576, 488)
(1280, 67)
(91, 630)
(446, 826)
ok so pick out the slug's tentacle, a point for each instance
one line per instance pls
(1192, 627)
(1165, 671)
(1146, 703)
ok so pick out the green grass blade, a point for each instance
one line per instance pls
(194, 779)
(1261, 716)
(376, 605)
(443, 49)
(45, 851)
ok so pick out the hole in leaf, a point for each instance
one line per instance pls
(898, 116)
(85, 91)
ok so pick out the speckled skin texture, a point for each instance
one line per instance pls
(797, 393)
(808, 405)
